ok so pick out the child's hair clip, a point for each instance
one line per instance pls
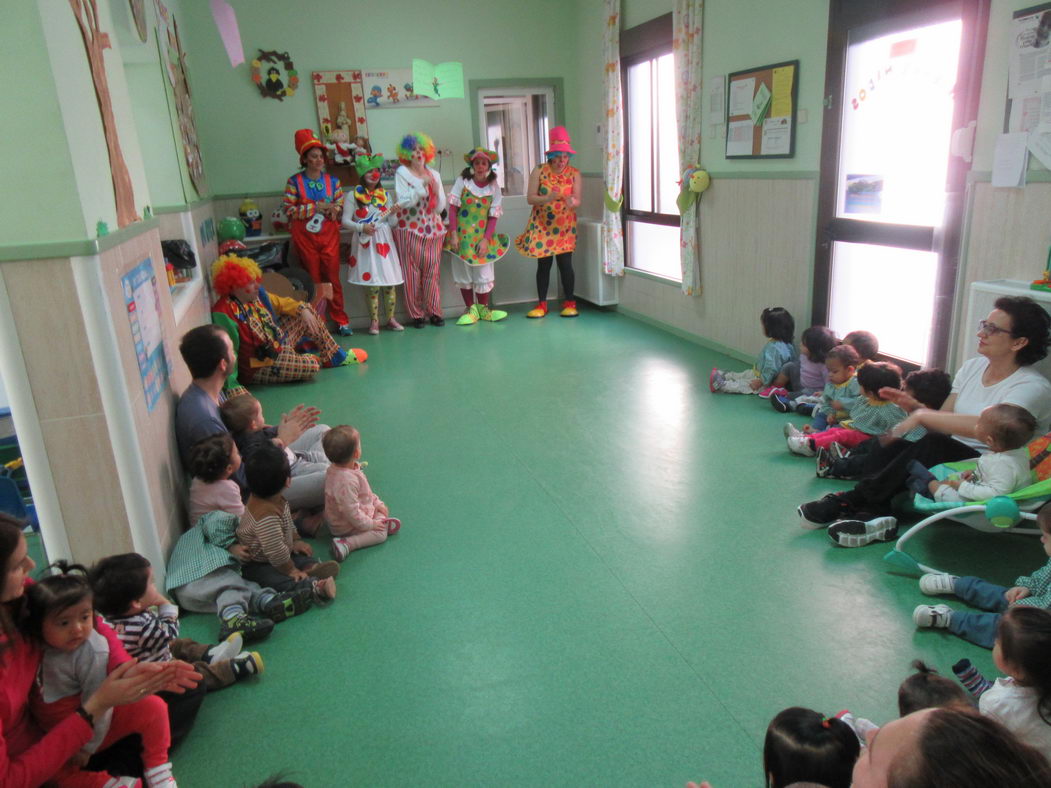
(826, 722)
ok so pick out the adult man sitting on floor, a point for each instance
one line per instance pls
(209, 354)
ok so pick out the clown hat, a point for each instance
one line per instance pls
(559, 141)
(305, 140)
(364, 163)
(484, 153)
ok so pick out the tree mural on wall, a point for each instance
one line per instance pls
(95, 42)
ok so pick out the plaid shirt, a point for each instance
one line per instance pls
(874, 417)
(202, 549)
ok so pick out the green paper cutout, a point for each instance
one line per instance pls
(441, 81)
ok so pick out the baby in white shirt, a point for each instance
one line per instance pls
(1005, 429)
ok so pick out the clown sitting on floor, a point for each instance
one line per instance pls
(271, 329)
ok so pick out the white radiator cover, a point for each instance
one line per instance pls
(980, 304)
(592, 283)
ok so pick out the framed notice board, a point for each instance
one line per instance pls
(761, 112)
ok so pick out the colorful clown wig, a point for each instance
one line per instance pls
(231, 272)
(483, 153)
(411, 142)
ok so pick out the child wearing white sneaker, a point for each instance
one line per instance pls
(870, 415)
(1028, 591)
(779, 327)
(356, 516)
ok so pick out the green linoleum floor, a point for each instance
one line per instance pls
(600, 580)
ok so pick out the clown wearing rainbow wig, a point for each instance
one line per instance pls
(267, 329)
(418, 229)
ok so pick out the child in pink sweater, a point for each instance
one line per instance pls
(213, 460)
(356, 516)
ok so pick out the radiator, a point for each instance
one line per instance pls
(980, 304)
(592, 284)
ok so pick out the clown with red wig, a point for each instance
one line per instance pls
(314, 201)
(272, 331)
(419, 232)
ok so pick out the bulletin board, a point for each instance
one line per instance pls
(761, 112)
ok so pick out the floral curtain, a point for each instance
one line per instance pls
(686, 46)
(612, 232)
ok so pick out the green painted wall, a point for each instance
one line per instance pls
(33, 143)
(247, 140)
(737, 34)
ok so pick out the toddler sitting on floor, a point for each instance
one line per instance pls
(356, 516)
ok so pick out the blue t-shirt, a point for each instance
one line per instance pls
(197, 416)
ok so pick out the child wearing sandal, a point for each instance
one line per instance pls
(1028, 591)
(356, 517)
(779, 327)
(77, 658)
(373, 262)
(476, 204)
(277, 559)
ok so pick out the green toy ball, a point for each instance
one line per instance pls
(1002, 512)
(231, 228)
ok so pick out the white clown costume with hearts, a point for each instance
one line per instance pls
(373, 260)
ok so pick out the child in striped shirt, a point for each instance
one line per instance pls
(148, 626)
(870, 415)
(277, 558)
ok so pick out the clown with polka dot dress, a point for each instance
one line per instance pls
(373, 261)
(419, 232)
(554, 192)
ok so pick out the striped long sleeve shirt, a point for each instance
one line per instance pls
(147, 636)
(267, 531)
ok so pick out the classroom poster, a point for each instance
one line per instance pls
(144, 314)
(392, 89)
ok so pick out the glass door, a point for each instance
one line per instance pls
(891, 193)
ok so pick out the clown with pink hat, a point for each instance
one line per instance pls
(476, 204)
(313, 202)
(554, 192)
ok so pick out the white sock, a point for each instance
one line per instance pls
(228, 649)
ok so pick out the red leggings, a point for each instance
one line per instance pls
(844, 436)
(148, 718)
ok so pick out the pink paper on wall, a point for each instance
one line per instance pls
(226, 21)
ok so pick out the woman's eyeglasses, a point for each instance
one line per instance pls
(990, 329)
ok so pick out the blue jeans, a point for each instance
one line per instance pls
(820, 421)
(979, 628)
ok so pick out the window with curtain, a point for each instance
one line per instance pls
(651, 219)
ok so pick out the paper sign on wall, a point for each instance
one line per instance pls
(441, 81)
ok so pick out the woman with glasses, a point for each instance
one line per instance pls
(1013, 337)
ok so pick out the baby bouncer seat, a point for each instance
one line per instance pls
(1012, 513)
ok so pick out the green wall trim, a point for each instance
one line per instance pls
(555, 83)
(768, 175)
(687, 335)
(242, 195)
(664, 280)
(76, 248)
(181, 207)
(1032, 176)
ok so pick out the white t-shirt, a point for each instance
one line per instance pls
(1015, 707)
(1025, 387)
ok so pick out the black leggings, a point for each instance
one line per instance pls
(565, 272)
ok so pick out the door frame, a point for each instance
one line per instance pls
(848, 15)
